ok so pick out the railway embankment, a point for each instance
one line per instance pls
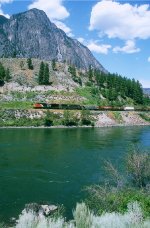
(55, 118)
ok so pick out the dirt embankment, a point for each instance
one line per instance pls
(125, 118)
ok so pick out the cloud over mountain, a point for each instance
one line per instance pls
(55, 11)
(1, 11)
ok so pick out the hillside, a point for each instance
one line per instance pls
(31, 34)
(23, 76)
(66, 84)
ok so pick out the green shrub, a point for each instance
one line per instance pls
(69, 119)
(85, 117)
(108, 199)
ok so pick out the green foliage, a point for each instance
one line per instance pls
(85, 117)
(22, 122)
(89, 94)
(72, 71)
(82, 216)
(30, 64)
(44, 74)
(145, 116)
(90, 74)
(41, 73)
(69, 119)
(16, 105)
(2, 74)
(2, 225)
(21, 65)
(117, 116)
(121, 190)
(108, 199)
(138, 167)
(54, 65)
(116, 89)
(49, 119)
(7, 75)
(77, 80)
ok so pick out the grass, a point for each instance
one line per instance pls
(22, 122)
(145, 117)
(16, 105)
(86, 92)
(117, 116)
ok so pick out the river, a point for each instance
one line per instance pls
(54, 165)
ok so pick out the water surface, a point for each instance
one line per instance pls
(53, 165)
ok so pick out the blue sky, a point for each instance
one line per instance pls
(117, 32)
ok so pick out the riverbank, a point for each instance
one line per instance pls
(75, 127)
(31, 118)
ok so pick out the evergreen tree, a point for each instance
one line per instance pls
(7, 75)
(30, 65)
(72, 71)
(41, 73)
(90, 73)
(2, 74)
(14, 54)
(54, 64)
(46, 74)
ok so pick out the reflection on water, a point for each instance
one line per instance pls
(53, 165)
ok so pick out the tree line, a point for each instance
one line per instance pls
(113, 85)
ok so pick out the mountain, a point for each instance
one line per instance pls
(147, 91)
(3, 20)
(32, 34)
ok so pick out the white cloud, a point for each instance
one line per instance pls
(123, 21)
(3, 14)
(55, 11)
(99, 48)
(53, 8)
(129, 48)
(148, 59)
(3, 2)
(64, 27)
(81, 40)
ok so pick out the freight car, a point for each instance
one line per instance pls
(57, 106)
(88, 107)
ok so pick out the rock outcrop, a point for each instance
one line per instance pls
(32, 34)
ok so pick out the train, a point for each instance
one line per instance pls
(87, 107)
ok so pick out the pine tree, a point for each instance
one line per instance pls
(46, 74)
(2, 74)
(30, 65)
(90, 73)
(7, 75)
(41, 73)
(54, 64)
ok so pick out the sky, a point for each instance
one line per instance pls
(117, 32)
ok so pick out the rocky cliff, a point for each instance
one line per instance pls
(31, 34)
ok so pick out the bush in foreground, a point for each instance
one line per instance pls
(120, 190)
(84, 218)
